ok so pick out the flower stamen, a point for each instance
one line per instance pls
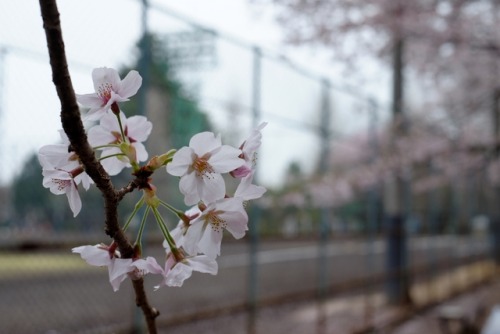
(104, 91)
(202, 167)
(216, 222)
(62, 184)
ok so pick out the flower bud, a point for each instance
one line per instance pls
(240, 172)
(160, 161)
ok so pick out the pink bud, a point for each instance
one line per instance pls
(241, 172)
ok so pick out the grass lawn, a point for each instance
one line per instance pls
(14, 264)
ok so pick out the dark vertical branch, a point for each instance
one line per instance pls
(73, 126)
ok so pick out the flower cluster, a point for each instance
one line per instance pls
(194, 244)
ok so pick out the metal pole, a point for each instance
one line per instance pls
(144, 68)
(324, 227)
(144, 60)
(372, 207)
(397, 249)
(253, 285)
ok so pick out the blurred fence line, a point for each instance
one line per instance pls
(317, 130)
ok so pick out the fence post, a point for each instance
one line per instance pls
(372, 209)
(253, 285)
(398, 281)
(324, 228)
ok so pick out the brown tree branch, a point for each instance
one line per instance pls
(73, 126)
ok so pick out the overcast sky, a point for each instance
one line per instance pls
(102, 33)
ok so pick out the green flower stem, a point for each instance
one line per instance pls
(171, 208)
(164, 230)
(135, 166)
(138, 240)
(124, 139)
(105, 146)
(138, 205)
(112, 155)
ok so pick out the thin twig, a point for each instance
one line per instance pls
(120, 193)
(73, 126)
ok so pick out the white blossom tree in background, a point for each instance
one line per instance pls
(447, 48)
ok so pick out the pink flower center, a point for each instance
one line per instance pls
(202, 167)
(104, 91)
(216, 222)
(62, 184)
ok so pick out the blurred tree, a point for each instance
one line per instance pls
(454, 43)
(33, 208)
(451, 46)
(183, 115)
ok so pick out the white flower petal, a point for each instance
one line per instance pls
(226, 159)
(204, 142)
(188, 186)
(193, 236)
(118, 270)
(237, 223)
(98, 136)
(203, 264)
(93, 255)
(109, 122)
(211, 188)
(140, 151)
(149, 265)
(178, 274)
(84, 179)
(75, 203)
(248, 191)
(209, 243)
(54, 156)
(181, 161)
(130, 84)
(113, 166)
(103, 75)
(89, 100)
(139, 128)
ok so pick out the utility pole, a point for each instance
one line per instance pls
(395, 216)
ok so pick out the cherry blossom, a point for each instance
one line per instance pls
(136, 130)
(104, 256)
(62, 157)
(109, 89)
(180, 230)
(247, 191)
(200, 166)
(204, 235)
(249, 152)
(178, 267)
(62, 182)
